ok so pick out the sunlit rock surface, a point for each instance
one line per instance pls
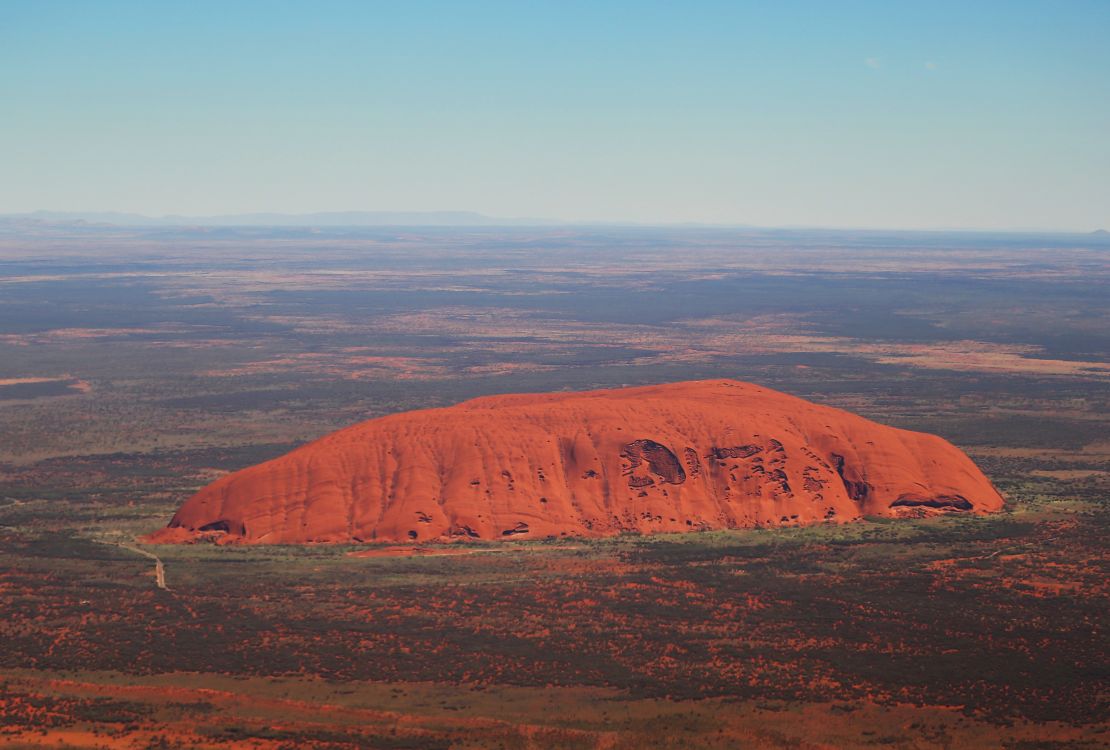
(677, 457)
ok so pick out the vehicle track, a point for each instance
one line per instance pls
(159, 566)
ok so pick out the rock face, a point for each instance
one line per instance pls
(697, 455)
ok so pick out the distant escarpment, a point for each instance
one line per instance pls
(679, 457)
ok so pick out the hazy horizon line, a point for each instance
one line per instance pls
(462, 218)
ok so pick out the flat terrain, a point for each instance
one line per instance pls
(138, 365)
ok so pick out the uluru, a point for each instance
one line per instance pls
(677, 457)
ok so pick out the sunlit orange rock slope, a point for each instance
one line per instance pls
(696, 455)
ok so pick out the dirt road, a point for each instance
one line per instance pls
(159, 567)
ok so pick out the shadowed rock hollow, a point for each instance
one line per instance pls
(696, 455)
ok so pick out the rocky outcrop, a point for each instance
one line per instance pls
(707, 454)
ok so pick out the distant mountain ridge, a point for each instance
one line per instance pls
(354, 219)
(318, 219)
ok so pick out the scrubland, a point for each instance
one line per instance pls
(136, 367)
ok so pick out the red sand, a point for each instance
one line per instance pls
(694, 455)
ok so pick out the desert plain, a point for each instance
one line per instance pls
(139, 365)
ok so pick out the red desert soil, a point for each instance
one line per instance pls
(695, 455)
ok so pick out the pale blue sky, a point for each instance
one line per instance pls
(885, 114)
